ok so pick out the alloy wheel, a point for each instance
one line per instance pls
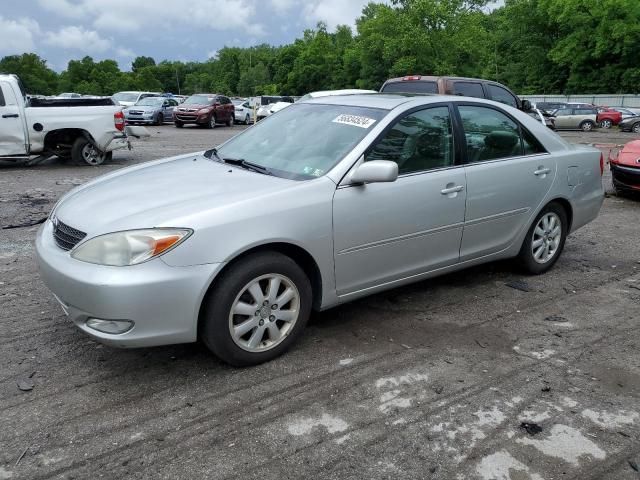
(264, 312)
(546, 237)
(91, 155)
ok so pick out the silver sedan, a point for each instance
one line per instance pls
(326, 201)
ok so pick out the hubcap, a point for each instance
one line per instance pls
(91, 155)
(264, 312)
(546, 238)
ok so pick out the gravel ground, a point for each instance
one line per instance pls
(480, 374)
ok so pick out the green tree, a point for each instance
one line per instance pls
(36, 76)
(142, 62)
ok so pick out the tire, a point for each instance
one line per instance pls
(636, 128)
(529, 257)
(212, 122)
(587, 126)
(84, 153)
(178, 124)
(231, 121)
(606, 124)
(160, 119)
(256, 345)
(247, 119)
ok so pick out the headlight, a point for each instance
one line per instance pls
(120, 249)
(204, 110)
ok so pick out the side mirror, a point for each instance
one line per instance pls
(526, 105)
(375, 171)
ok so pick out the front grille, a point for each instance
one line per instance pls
(66, 237)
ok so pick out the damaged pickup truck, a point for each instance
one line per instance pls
(82, 131)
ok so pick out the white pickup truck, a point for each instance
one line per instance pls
(83, 131)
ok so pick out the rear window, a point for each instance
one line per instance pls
(415, 86)
(468, 89)
(2, 104)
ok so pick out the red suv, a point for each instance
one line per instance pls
(207, 109)
(608, 117)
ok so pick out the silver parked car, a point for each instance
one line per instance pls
(151, 110)
(576, 117)
(236, 245)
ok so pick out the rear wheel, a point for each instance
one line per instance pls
(84, 152)
(257, 310)
(545, 239)
(178, 124)
(587, 126)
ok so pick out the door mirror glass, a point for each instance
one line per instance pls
(526, 105)
(375, 171)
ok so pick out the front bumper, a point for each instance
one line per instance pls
(625, 178)
(187, 118)
(162, 301)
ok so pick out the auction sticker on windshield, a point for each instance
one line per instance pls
(355, 120)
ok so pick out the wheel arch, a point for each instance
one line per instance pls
(298, 254)
(568, 209)
(64, 136)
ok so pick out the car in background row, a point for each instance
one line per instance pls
(630, 124)
(151, 110)
(608, 117)
(126, 99)
(625, 168)
(243, 111)
(543, 117)
(549, 106)
(205, 109)
(270, 109)
(467, 87)
(331, 93)
(581, 117)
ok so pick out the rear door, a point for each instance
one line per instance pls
(12, 132)
(508, 176)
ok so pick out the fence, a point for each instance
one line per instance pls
(632, 101)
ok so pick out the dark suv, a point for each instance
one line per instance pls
(207, 109)
(468, 87)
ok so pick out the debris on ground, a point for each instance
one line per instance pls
(25, 384)
(531, 428)
(519, 285)
(555, 318)
(634, 465)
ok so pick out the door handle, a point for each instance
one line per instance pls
(541, 171)
(10, 115)
(456, 189)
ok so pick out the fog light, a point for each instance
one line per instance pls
(110, 326)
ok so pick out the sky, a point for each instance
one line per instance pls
(61, 30)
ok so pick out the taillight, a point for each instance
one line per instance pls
(601, 163)
(410, 78)
(118, 120)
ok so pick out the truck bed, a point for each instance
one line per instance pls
(71, 102)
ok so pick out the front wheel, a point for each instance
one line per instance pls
(606, 124)
(231, 121)
(636, 128)
(178, 124)
(84, 152)
(545, 239)
(212, 122)
(257, 310)
(587, 126)
(160, 119)
(247, 119)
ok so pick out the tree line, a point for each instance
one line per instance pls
(533, 46)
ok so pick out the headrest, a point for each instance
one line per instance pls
(501, 140)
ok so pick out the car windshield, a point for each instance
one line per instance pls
(238, 102)
(151, 102)
(125, 97)
(303, 141)
(199, 100)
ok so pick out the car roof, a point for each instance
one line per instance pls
(384, 101)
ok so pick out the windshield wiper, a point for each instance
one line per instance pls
(241, 162)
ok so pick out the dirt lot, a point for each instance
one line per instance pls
(430, 381)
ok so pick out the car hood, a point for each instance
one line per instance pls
(629, 156)
(192, 106)
(177, 192)
(142, 108)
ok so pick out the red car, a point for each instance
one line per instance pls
(608, 117)
(625, 168)
(206, 109)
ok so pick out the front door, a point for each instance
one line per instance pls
(564, 119)
(508, 176)
(12, 133)
(389, 231)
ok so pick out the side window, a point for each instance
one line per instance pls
(502, 95)
(246, 105)
(489, 133)
(531, 144)
(585, 111)
(419, 141)
(2, 104)
(468, 89)
(563, 112)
